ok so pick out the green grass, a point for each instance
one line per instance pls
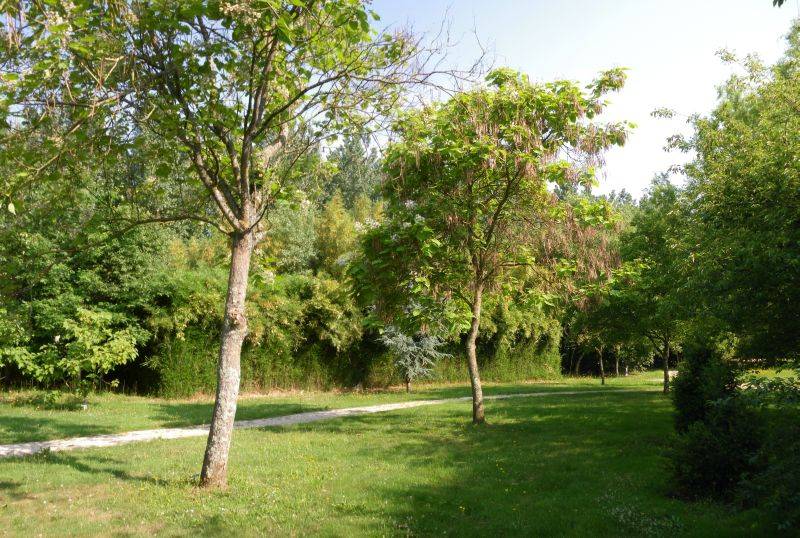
(25, 417)
(582, 465)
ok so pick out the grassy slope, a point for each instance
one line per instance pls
(553, 466)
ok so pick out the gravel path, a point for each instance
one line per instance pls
(95, 441)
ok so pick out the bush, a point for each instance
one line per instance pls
(776, 487)
(704, 377)
(713, 455)
(301, 331)
(415, 355)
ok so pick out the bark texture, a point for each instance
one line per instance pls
(577, 371)
(602, 369)
(478, 416)
(234, 330)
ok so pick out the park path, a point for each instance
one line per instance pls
(97, 441)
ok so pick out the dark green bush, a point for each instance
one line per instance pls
(776, 486)
(712, 456)
(704, 377)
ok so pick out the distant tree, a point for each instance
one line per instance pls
(335, 236)
(415, 356)
(651, 295)
(289, 245)
(356, 171)
(469, 206)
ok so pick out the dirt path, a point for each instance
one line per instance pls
(96, 441)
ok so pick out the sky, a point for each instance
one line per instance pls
(668, 46)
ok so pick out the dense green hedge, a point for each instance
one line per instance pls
(188, 366)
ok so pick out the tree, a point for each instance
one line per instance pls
(743, 207)
(239, 90)
(335, 236)
(652, 294)
(469, 208)
(357, 171)
(415, 356)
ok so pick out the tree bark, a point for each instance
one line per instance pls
(578, 364)
(234, 330)
(616, 361)
(572, 358)
(602, 370)
(472, 359)
(408, 384)
(666, 366)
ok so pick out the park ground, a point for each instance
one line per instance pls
(558, 465)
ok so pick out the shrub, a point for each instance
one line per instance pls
(713, 454)
(415, 356)
(704, 377)
(776, 486)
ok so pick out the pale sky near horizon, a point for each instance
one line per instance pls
(669, 48)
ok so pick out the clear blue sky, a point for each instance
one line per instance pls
(668, 45)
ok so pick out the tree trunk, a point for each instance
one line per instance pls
(572, 358)
(666, 366)
(578, 364)
(408, 384)
(472, 359)
(616, 361)
(602, 370)
(234, 330)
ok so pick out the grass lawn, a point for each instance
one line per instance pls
(582, 465)
(24, 416)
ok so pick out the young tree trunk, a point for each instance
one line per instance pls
(602, 370)
(666, 366)
(616, 361)
(572, 358)
(408, 384)
(578, 364)
(234, 330)
(472, 359)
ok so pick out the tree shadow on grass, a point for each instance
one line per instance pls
(178, 414)
(86, 462)
(16, 429)
(12, 490)
(587, 465)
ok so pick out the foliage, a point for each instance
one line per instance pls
(712, 456)
(744, 203)
(703, 378)
(652, 294)
(335, 236)
(71, 315)
(357, 171)
(289, 245)
(415, 356)
(777, 486)
(463, 173)
(92, 345)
